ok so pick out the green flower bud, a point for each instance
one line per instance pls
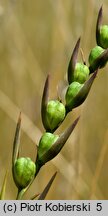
(24, 171)
(46, 141)
(72, 91)
(81, 73)
(103, 36)
(94, 54)
(55, 113)
(50, 145)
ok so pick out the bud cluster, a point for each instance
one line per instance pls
(80, 80)
(78, 74)
(53, 112)
(98, 56)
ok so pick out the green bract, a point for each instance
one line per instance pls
(94, 54)
(104, 36)
(72, 91)
(24, 171)
(55, 113)
(81, 73)
(46, 141)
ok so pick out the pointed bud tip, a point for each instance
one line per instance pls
(77, 119)
(20, 115)
(55, 173)
(53, 177)
(98, 25)
(101, 8)
(100, 12)
(19, 118)
(75, 122)
(78, 42)
(94, 74)
(91, 79)
(47, 81)
(79, 39)
(73, 60)
(48, 76)
(46, 91)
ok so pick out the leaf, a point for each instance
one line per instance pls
(35, 196)
(72, 62)
(98, 25)
(45, 191)
(16, 142)
(2, 193)
(45, 101)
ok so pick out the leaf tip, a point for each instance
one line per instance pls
(19, 119)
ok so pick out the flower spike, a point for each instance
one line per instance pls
(73, 61)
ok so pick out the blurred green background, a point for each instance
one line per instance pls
(36, 38)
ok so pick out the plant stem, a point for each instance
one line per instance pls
(38, 167)
(20, 194)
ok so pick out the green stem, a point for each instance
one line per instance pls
(22, 191)
(38, 166)
(20, 194)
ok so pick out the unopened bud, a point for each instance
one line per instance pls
(71, 93)
(55, 113)
(46, 141)
(81, 73)
(104, 36)
(24, 172)
(94, 60)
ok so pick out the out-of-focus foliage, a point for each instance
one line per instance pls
(36, 38)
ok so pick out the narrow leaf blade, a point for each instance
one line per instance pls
(72, 62)
(45, 101)
(3, 189)
(35, 196)
(98, 25)
(16, 142)
(45, 191)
